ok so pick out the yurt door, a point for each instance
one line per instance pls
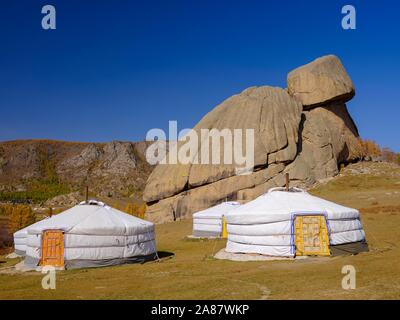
(311, 235)
(52, 248)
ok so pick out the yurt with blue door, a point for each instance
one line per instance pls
(90, 234)
(294, 223)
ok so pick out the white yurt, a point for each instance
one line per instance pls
(20, 239)
(291, 223)
(209, 222)
(90, 234)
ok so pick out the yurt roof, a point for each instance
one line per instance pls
(279, 205)
(218, 210)
(24, 232)
(93, 218)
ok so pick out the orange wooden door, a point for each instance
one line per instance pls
(52, 248)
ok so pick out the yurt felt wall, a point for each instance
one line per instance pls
(208, 222)
(265, 225)
(20, 240)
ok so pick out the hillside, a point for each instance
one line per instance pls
(42, 169)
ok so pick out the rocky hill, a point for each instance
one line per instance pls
(304, 130)
(113, 169)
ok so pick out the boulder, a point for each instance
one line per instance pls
(328, 137)
(273, 115)
(320, 82)
(305, 131)
(183, 204)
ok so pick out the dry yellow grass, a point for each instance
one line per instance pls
(192, 273)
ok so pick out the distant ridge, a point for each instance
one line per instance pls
(112, 169)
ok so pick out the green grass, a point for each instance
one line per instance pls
(37, 191)
(193, 273)
(5, 263)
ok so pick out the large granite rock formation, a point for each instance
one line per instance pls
(320, 82)
(272, 113)
(305, 130)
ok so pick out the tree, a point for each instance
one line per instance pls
(6, 239)
(370, 148)
(136, 210)
(142, 211)
(6, 210)
(388, 155)
(21, 217)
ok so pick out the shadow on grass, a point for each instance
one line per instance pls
(165, 255)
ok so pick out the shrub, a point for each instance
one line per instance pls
(38, 191)
(117, 206)
(370, 148)
(136, 210)
(6, 239)
(21, 217)
(388, 155)
(6, 210)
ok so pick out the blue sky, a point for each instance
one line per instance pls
(112, 70)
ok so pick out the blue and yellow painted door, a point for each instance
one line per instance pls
(311, 235)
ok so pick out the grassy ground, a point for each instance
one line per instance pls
(192, 273)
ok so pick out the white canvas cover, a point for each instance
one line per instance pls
(20, 239)
(265, 225)
(94, 234)
(208, 222)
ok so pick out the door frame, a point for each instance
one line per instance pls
(42, 241)
(305, 213)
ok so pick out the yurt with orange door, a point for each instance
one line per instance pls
(293, 223)
(90, 234)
